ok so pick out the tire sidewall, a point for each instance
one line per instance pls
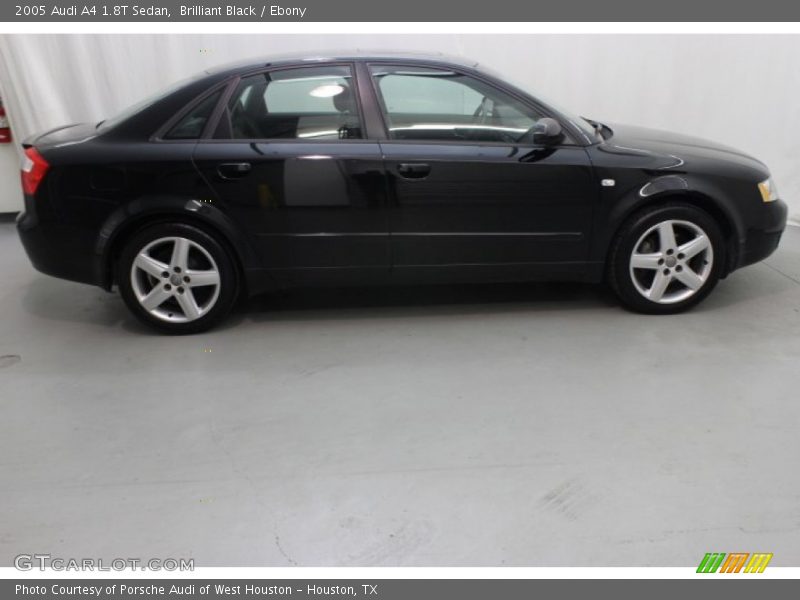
(630, 235)
(228, 276)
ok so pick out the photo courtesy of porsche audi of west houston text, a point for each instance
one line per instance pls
(156, 590)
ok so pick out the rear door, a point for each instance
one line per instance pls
(470, 189)
(291, 162)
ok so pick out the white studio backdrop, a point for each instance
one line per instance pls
(740, 90)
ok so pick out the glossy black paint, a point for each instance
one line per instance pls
(485, 207)
(307, 207)
(297, 212)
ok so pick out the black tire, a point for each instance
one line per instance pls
(218, 299)
(624, 282)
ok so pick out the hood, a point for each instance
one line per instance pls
(61, 136)
(674, 150)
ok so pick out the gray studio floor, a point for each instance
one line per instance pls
(509, 425)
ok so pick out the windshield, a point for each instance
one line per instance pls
(578, 122)
(145, 102)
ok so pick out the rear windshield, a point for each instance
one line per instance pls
(147, 102)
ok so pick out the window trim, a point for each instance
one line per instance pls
(208, 136)
(369, 102)
(528, 101)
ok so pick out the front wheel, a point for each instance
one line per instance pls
(177, 278)
(666, 259)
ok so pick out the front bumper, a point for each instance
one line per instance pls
(763, 238)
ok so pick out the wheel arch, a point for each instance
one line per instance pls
(708, 202)
(144, 212)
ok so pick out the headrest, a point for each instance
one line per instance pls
(343, 101)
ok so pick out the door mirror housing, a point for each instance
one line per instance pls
(547, 131)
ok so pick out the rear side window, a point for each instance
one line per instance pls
(312, 103)
(191, 126)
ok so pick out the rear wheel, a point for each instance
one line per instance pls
(177, 278)
(666, 259)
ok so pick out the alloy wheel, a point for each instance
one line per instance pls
(671, 261)
(175, 279)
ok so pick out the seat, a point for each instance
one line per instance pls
(345, 103)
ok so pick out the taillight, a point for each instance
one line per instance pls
(34, 168)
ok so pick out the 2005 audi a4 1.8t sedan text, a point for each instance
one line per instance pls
(370, 169)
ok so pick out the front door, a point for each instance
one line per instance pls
(470, 190)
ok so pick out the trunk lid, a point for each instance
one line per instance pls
(61, 136)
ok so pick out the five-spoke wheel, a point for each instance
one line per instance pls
(666, 258)
(178, 277)
(671, 261)
(175, 279)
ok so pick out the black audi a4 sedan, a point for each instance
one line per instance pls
(378, 169)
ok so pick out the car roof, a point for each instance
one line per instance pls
(328, 56)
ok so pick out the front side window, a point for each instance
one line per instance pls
(434, 104)
(311, 103)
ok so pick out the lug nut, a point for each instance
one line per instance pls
(177, 269)
(186, 279)
(666, 271)
(670, 251)
(165, 274)
(660, 261)
(680, 256)
(679, 268)
(167, 287)
(180, 290)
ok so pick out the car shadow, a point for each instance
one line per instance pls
(420, 300)
(53, 299)
(57, 300)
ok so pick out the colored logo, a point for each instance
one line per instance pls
(735, 562)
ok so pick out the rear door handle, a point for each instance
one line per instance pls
(233, 170)
(413, 170)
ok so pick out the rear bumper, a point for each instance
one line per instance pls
(763, 238)
(59, 250)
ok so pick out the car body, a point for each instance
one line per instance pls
(355, 169)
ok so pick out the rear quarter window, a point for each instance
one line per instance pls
(193, 123)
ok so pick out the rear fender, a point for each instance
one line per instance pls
(157, 208)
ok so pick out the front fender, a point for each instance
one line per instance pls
(703, 193)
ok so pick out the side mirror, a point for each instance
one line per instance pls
(546, 131)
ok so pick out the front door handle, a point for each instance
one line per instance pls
(413, 170)
(234, 170)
